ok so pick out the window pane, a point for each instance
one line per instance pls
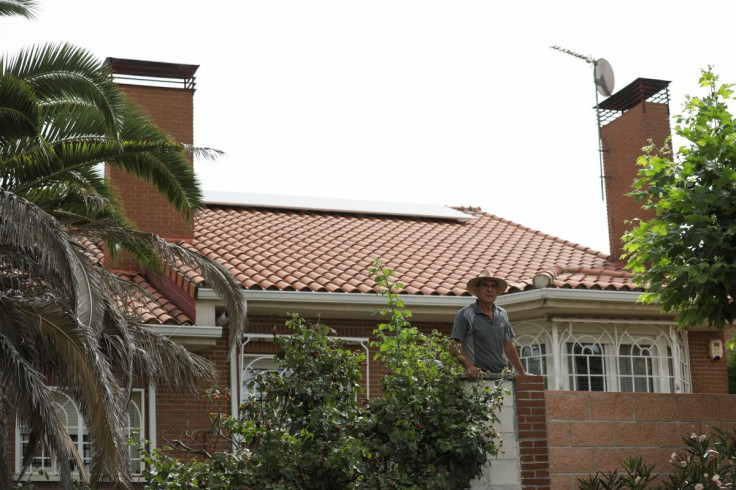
(253, 365)
(533, 358)
(636, 371)
(135, 430)
(586, 367)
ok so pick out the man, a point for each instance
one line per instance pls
(483, 332)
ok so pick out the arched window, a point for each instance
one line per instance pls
(252, 362)
(44, 462)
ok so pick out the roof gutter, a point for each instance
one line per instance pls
(319, 298)
(196, 331)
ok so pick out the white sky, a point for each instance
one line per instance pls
(437, 102)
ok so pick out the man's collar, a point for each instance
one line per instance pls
(477, 308)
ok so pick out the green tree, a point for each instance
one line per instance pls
(64, 319)
(685, 255)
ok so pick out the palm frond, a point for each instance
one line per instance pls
(24, 8)
(163, 362)
(24, 385)
(153, 157)
(19, 115)
(66, 72)
(58, 260)
(218, 278)
(88, 378)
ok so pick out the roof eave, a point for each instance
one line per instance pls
(519, 304)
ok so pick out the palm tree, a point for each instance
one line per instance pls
(63, 318)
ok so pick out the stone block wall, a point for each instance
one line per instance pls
(588, 432)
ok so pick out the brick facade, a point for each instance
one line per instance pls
(707, 375)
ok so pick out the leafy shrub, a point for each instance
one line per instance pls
(310, 428)
(429, 430)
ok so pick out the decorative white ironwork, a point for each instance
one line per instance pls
(605, 355)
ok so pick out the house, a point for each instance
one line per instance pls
(613, 376)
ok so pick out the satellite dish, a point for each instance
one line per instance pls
(603, 74)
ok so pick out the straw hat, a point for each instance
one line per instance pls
(486, 276)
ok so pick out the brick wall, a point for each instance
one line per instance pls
(623, 140)
(172, 110)
(588, 432)
(179, 414)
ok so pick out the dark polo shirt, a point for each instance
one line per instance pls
(483, 338)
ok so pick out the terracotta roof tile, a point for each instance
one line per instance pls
(152, 307)
(327, 251)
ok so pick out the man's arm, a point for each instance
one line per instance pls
(513, 357)
(473, 371)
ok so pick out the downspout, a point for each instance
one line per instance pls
(556, 347)
(152, 430)
(234, 391)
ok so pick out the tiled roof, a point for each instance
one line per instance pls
(153, 307)
(299, 250)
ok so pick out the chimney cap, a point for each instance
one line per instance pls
(638, 91)
(152, 70)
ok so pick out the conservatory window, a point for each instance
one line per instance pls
(605, 355)
(254, 364)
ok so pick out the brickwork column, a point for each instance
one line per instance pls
(531, 416)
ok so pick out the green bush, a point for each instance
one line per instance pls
(310, 428)
(429, 430)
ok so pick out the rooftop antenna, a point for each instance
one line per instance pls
(603, 80)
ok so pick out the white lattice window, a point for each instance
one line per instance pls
(43, 462)
(533, 347)
(596, 355)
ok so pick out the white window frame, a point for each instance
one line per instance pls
(260, 362)
(536, 336)
(363, 342)
(48, 466)
(668, 349)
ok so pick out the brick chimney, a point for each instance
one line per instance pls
(166, 92)
(630, 118)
